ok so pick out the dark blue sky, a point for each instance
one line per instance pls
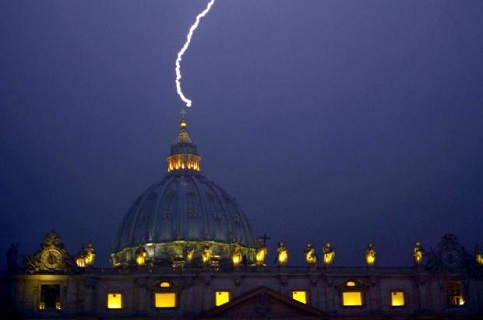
(341, 121)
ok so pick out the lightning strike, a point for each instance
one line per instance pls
(184, 48)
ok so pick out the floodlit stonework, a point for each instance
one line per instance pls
(185, 250)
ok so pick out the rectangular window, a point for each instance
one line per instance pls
(351, 299)
(49, 296)
(114, 301)
(300, 296)
(221, 297)
(165, 299)
(397, 299)
(454, 294)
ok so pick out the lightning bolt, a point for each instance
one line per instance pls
(183, 50)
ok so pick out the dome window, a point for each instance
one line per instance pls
(210, 194)
(193, 215)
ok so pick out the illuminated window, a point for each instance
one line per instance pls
(222, 297)
(350, 284)
(49, 296)
(454, 294)
(165, 300)
(114, 301)
(165, 284)
(300, 296)
(397, 299)
(351, 299)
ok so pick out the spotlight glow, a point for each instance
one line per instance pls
(184, 48)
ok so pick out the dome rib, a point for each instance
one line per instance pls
(180, 209)
(214, 212)
(183, 209)
(229, 232)
(203, 214)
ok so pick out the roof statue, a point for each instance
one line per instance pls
(185, 250)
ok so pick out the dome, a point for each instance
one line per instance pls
(184, 210)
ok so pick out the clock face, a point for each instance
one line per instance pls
(450, 258)
(51, 259)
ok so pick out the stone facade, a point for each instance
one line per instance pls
(253, 292)
(179, 254)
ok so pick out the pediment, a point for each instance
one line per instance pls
(264, 302)
(51, 258)
(450, 257)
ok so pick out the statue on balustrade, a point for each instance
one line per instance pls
(329, 254)
(310, 256)
(236, 255)
(206, 254)
(418, 254)
(260, 253)
(282, 254)
(370, 255)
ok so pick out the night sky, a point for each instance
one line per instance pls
(342, 121)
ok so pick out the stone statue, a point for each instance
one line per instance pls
(236, 255)
(141, 255)
(418, 254)
(189, 253)
(260, 253)
(32, 264)
(206, 254)
(329, 254)
(90, 254)
(479, 256)
(370, 255)
(282, 254)
(310, 256)
(87, 256)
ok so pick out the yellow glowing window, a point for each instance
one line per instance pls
(351, 299)
(222, 297)
(454, 294)
(350, 284)
(300, 296)
(397, 298)
(165, 299)
(114, 301)
(165, 284)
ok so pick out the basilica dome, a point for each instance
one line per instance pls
(184, 211)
